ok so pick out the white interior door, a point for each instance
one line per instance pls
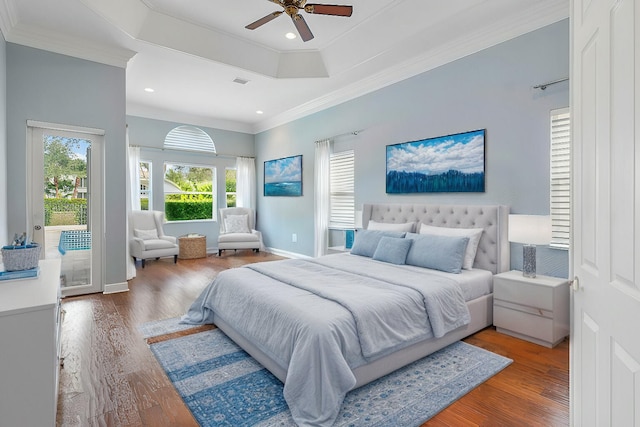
(605, 87)
(66, 175)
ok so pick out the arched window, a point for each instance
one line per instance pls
(189, 138)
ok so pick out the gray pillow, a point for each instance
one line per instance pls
(444, 253)
(366, 241)
(392, 249)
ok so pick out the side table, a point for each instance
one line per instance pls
(534, 309)
(192, 246)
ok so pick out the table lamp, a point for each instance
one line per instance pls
(530, 230)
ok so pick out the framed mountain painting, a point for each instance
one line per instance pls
(451, 163)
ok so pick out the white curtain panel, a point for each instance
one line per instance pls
(133, 197)
(323, 152)
(246, 182)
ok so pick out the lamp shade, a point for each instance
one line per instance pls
(530, 229)
(358, 219)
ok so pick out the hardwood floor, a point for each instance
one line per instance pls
(110, 377)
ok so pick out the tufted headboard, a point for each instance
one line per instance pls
(493, 249)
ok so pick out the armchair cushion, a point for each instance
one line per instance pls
(236, 224)
(146, 234)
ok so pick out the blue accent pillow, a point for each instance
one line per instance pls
(392, 249)
(444, 253)
(366, 241)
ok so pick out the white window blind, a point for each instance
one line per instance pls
(560, 178)
(189, 138)
(342, 203)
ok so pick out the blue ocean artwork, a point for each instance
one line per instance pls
(283, 177)
(452, 163)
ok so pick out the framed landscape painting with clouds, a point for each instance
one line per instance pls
(283, 177)
(452, 163)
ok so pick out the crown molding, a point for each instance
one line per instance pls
(539, 15)
(54, 42)
(138, 110)
(8, 17)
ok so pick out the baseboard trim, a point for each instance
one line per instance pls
(113, 288)
(287, 253)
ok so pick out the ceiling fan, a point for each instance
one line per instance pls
(292, 8)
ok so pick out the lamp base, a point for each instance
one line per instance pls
(529, 260)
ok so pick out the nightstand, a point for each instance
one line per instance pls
(534, 309)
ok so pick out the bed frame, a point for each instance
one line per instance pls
(492, 255)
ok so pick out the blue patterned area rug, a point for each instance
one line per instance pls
(224, 386)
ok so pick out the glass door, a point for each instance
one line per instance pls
(66, 204)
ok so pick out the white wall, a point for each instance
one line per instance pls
(55, 88)
(490, 90)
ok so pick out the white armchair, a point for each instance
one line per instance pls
(147, 239)
(237, 230)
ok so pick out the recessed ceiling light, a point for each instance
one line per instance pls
(148, 89)
(290, 36)
(259, 112)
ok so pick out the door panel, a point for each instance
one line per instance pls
(66, 172)
(605, 97)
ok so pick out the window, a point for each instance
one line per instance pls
(144, 170)
(189, 192)
(560, 178)
(230, 186)
(189, 138)
(341, 182)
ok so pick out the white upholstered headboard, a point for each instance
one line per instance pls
(493, 250)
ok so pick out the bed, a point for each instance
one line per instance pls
(327, 325)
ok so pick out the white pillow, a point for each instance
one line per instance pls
(146, 234)
(388, 226)
(473, 234)
(236, 224)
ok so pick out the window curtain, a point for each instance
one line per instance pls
(133, 196)
(246, 182)
(322, 196)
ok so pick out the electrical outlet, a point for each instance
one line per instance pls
(294, 238)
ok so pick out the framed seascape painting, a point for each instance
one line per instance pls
(451, 163)
(283, 177)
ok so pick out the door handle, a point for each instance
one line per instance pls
(37, 227)
(575, 284)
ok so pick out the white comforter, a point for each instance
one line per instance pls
(320, 318)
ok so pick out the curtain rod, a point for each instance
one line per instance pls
(353, 132)
(222, 156)
(543, 86)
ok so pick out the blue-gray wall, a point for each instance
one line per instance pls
(3, 142)
(150, 134)
(490, 90)
(55, 88)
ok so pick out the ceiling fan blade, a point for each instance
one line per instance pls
(263, 20)
(329, 9)
(303, 28)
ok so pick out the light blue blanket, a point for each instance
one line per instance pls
(320, 318)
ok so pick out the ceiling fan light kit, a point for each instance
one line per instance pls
(293, 7)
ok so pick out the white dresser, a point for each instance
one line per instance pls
(30, 348)
(534, 309)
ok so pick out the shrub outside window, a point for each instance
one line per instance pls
(189, 193)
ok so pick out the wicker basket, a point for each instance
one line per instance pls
(16, 258)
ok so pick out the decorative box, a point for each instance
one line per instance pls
(16, 258)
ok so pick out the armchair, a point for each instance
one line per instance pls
(237, 230)
(147, 239)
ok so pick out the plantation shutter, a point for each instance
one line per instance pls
(560, 178)
(342, 203)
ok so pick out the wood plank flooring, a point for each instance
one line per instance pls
(110, 377)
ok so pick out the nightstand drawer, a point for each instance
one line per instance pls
(522, 293)
(523, 323)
